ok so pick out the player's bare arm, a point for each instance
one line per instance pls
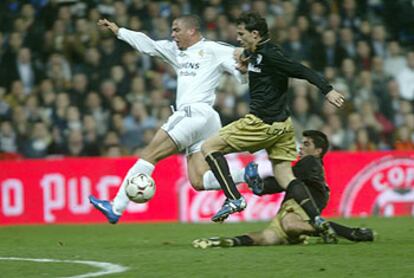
(335, 98)
(109, 25)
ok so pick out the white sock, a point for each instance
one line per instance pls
(121, 200)
(211, 183)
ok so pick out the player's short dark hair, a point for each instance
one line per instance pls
(191, 21)
(319, 139)
(253, 21)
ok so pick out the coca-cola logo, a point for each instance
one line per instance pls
(201, 206)
(384, 187)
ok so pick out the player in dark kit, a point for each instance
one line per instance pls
(291, 224)
(268, 125)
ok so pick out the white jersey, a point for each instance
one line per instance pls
(198, 67)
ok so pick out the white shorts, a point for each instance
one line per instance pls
(190, 126)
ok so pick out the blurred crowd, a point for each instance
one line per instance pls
(69, 88)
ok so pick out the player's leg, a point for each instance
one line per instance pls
(294, 225)
(202, 178)
(301, 194)
(274, 234)
(213, 150)
(353, 234)
(281, 154)
(246, 134)
(161, 146)
(260, 186)
(170, 139)
(265, 237)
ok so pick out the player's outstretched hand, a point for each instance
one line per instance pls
(108, 24)
(335, 98)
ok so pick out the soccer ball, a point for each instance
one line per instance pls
(140, 188)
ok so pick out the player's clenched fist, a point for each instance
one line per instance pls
(108, 24)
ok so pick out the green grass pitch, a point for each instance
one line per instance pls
(165, 250)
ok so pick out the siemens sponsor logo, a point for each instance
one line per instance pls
(189, 65)
(188, 69)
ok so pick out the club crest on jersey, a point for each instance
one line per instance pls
(201, 53)
(259, 59)
(255, 66)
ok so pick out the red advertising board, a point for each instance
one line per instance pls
(372, 183)
(56, 191)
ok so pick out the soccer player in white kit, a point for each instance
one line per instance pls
(199, 64)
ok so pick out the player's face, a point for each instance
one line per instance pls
(308, 148)
(181, 34)
(247, 39)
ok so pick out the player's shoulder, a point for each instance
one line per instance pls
(310, 161)
(272, 49)
(218, 44)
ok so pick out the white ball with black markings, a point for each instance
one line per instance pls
(140, 188)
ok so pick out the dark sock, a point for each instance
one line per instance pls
(220, 168)
(244, 240)
(343, 231)
(271, 186)
(300, 193)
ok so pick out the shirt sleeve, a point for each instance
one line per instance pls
(224, 54)
(296, 70)
(144, 44)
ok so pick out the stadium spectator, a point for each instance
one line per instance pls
(36, 146)
(348, 73)
(328, 53)
(302, 117)
(347, 41)
(25, 70)
(351, 16)
(295, 46)
(364, 55)
(16, 96)
(90, 132)
(405, 78)
(394, 61)
(76, 145)
(337, 136)
(8, 138)
(403, 140)
(378, 41)
(4, 105)
(78, 89)
(363, 142)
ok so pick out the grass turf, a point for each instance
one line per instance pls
(165, 250)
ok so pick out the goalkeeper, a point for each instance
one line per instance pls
(291, 224)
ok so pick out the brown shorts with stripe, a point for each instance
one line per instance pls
(290, 206)
(251, 134)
